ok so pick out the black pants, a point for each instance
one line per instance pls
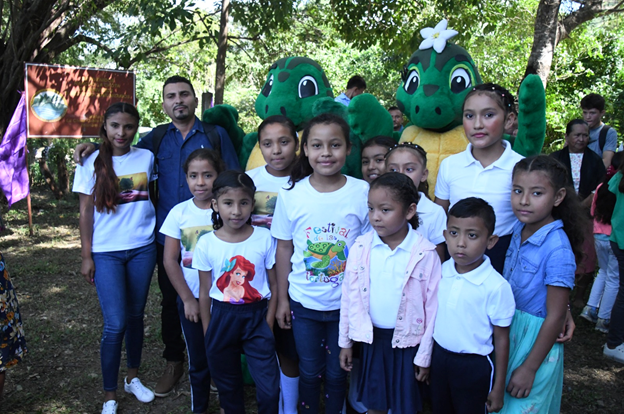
(170, 321)
(236, 329)
(460, 383)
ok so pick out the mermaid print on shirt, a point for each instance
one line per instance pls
(234, 281)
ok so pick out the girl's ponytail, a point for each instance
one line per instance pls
(575, 220)
(106, 188)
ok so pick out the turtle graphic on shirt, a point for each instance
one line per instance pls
(325, 252)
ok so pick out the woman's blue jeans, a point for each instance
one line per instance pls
(316, 340)
(122, 281)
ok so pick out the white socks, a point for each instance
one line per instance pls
(289, 394)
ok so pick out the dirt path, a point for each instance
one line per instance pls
(62, 319)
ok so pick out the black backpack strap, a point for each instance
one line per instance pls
(213, 137)
(159, 133)
(602, 138)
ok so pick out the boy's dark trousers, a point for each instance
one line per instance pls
(460, 383)
(199, 375)
(236, 329)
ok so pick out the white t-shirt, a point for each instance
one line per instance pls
(462, 176)
(132, 224)
(387, 276)
(187, 223)
(432, 219)
(322, 226)
(267, 187)
(469, 305)
(239, 270)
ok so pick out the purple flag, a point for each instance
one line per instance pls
(13, 165)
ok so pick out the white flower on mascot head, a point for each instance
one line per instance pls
(436, 37)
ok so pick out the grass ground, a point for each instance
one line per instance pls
(62, 320)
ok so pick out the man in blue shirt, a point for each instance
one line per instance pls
(356, 86)
(184, 134)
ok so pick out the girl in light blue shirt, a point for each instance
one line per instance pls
(540, 264)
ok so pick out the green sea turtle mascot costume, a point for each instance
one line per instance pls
(434, 84)
(297, 87)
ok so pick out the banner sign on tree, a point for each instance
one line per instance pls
(69, 102)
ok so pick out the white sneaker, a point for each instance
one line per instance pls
(140, 391)
(616, 354)
(109, 407)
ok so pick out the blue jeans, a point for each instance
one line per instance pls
(316, 340)
(615, 337)
(607, 282)
(122, 281)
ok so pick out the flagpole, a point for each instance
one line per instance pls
(30, 224)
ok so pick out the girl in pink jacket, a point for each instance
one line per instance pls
(389, 300)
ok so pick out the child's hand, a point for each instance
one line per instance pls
(521, 382)
(283, 314)
(88, 270)
(494, 401)
(191, 310)
(346, 359)
(421, 373)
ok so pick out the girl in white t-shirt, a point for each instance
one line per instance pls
(411, 160)
(277, 137)
(484, 169)
(316, 221)
(183, 227)
(389, 300)
(236, 284)
(113, 189)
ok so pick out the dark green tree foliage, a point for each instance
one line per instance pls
(40, 31)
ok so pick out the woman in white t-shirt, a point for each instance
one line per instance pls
(117, 220)
(316, 221)
(236, 296)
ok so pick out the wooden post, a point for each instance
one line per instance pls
(28, 204)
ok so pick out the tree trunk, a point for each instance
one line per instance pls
(63, 175)
(544, 39)
(221, 53)
(49, 178)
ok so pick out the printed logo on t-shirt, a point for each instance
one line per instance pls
(132, 187)
(264, 209)
(188, 239)
(234, 282)
(326, 255)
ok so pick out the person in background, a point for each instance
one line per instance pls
(171, 144)
(397, 118)
(607, 282)
(12, 340)
(585, 172)
(614, 348)
(602, 137)
(356, 86)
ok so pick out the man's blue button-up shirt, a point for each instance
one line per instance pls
(172, 153)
